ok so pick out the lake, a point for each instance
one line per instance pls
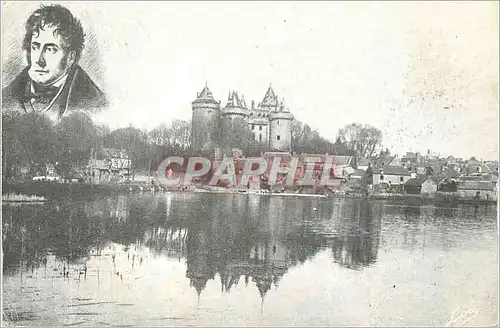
(189, 259)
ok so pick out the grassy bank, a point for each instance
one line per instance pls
(53, 190)
(21, 198)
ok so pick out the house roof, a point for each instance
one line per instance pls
(363, 161)
(472, 167)
(476, 185)
(112, 153)
(432, 162)
(358, 173)
(493, 167)
(99, 164)
(393, 170)
(346, 170)
(381, 161)
(272, 154)
(341, 160)
(336, 160)
(450, 173)
(415, 182)
(473, 161)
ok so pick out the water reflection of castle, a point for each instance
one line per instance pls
(265, 262)
(247, 245)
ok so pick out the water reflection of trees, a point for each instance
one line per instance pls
(29, 233)
(235, 237)
(357, 241)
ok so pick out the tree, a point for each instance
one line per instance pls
(33, 141)
(159, 135)
(135, 142)
(385, 153)
(180, 134)
(308, 140)
(76, 136)
(12, 152)
(297, 131)
(361, 140)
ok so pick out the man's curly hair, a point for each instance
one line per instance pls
(66, 25)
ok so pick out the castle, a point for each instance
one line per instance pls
(270, 122)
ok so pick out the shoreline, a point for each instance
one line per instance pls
(49, 191)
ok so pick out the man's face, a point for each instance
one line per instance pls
(49, 60)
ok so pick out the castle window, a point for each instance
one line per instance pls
(260, 127)
(277, 137)
(381, 177)
(253, 126)
(277, 122)
(401, 179)
(260, 137)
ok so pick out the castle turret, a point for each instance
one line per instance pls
(205, 111)
(235, 107)
(280, 127)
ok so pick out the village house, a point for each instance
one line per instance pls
(357, 175)
(474, 166)
(452, 163)
(362, 163)
(434, 163)
(484, 190)
(493, 167)
(446, 180)
(411, 160)
(108, 165)
(391, 177)
(339, 172)
(377, 161)
(421, 184)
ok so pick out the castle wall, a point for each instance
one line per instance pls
(260, 131)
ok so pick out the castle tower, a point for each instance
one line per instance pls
(205, 111)
(234, 118)
(280, 128)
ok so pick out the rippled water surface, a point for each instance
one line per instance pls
(209, 259)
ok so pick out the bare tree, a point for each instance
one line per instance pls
(362, 140)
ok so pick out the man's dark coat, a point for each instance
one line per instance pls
(79, 93)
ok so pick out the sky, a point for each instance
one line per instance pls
(425, 73)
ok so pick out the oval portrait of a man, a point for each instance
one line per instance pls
(53, 82)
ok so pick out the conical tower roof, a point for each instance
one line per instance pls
(270, 99)
(205, 96)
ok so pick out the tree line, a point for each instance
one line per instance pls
(32, 142)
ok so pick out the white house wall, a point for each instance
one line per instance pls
(393, 179)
